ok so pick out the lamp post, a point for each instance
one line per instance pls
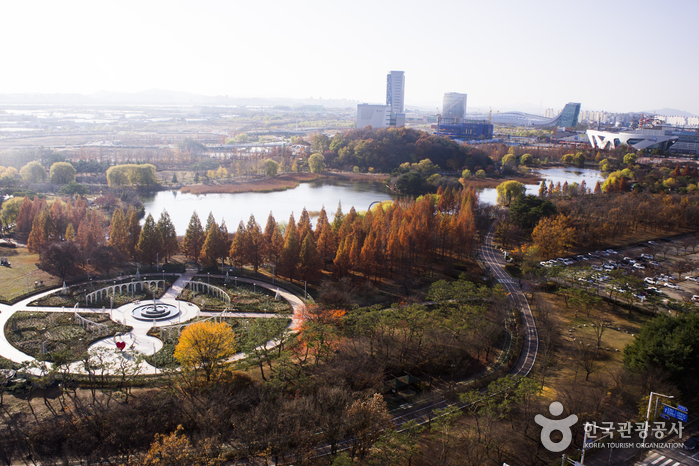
(87, 267)
(650, 399)
(305, 293)
(157, 261)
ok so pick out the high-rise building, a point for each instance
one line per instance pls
(453, 108)
(569, 115)
(395, 91)
(391, 114)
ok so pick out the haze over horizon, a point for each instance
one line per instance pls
(539, 54)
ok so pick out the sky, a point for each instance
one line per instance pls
(613, 55)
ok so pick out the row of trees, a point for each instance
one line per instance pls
(401, 235)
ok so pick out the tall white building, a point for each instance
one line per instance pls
(453, 108)
(395, 91)
(391, 114)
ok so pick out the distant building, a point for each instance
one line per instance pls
(395, 91)
(569, 115)
(391, 114)
(638, 139)
(470, 130)
(376, 116)
(453, 108)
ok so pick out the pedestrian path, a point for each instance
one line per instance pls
(137, 340)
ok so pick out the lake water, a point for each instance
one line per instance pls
(569, 174)
(236, 207)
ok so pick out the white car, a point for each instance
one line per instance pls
(649, 280)
(638, 266)
(597, 268)
(672, 285)
(646, 256)
(612, 251)
(694, 279)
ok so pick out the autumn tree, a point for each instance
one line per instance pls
(309, 260)
(60, 259)
(119, 233)
(169, 235)
(90, 233)
(62, 173)
(33, 172)
(273, 242)
(254, 244)
(24, 217)
(193, 238)
(215, 246)
(205, 346)
(289, 257)
(150, 241)
(134, 232)
(316, 163)
(509, 190)
(553, 235)
(42, 231)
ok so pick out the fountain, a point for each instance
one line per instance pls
(155, 312)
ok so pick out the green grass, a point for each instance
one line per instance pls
(13, 280)
(54, 332)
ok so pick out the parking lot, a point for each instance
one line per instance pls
(652, 265)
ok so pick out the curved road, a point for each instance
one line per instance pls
(530, 343)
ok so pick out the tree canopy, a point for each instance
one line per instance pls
(206, 346)
(509, 190)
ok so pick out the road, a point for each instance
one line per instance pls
(495, 264)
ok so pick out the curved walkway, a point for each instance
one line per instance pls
(530, 344)
(137, 340)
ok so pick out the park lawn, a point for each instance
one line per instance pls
(620, 332)
(13, 280)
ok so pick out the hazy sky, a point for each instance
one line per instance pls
(614, 55)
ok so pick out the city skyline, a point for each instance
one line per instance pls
(540, 54)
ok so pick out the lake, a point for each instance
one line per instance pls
(236, 207)
(313, 195)
(569, 174)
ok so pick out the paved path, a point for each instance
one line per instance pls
(138, 340)
(496, 265)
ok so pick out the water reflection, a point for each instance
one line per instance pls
(238, 207)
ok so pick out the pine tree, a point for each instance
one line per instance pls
(150, 241)
(58, 217)
(341, 263)
(338, 219)
(255, 244)
(304, 225)
(214, 246)
(309, 261)
(42, 229)
(134, 232)
(291, 250)
(169, 235)
(543, 190)
(322, 220)
(70, 232)
(210, 221)
(238, 251)
(24, 219)
(118, 232)
(598, 188)
(326, 244)
(193, 238)
(90, 232)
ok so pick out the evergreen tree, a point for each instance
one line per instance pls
(326, 244)
(24, 219)
(238, 251)
(339, 217)
(304, 225)
(150, 241)
(255, 244)
(169, 235)
(133, 234)
(214, 246)
(118, 232)
(309, 261)
(543, 190)
(322, 220)
(210, 221)
(288, 260)
(193, 238)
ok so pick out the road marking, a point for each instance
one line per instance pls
(658, 460)
(666, 462)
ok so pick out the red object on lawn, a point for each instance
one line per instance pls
(121, 345)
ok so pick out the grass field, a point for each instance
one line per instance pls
(20, 278)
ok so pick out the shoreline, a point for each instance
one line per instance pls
(278, 183)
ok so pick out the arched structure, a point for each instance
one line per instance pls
(202, 287)
(638, 139)
(122, 288)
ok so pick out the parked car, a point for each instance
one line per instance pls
(638, 266)
(695, 297)
(694, 279)
(649, 280)
(672, 285)
(654, 263)
(652, 242)
(612, 251)
(692, 442)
